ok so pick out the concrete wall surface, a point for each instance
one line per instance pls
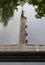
(22, 47)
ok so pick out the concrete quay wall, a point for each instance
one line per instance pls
(22, 48)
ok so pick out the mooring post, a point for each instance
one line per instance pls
(22, 28)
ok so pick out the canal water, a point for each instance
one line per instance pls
(20, 63)
(10, 13)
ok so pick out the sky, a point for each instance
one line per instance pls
(10, 33)
(35, 26)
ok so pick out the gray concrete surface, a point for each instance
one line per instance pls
(22, 48)
(22, 31)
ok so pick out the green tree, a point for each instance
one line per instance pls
(40, 8)
(6, 10)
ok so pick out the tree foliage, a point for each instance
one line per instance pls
(40, 8)
(6, 10)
